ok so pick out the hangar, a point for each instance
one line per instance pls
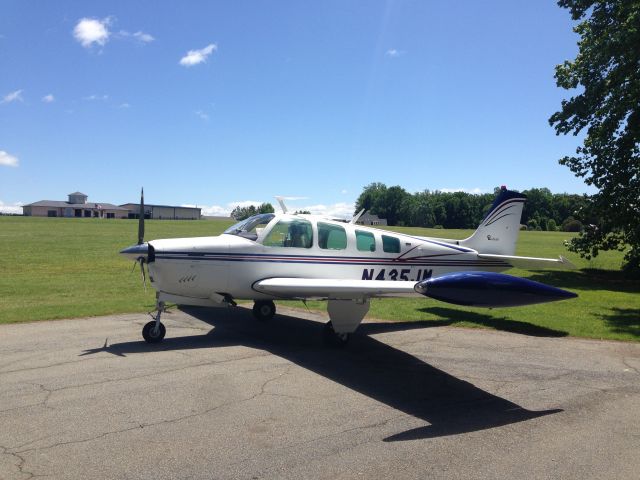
(163, 212)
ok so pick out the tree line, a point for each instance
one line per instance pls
(240, 213)
(435, 209)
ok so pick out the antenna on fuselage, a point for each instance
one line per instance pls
(281, 202)
(357, 216)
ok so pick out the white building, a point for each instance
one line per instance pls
(76, 206)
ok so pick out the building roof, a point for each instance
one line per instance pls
(62, 204)
(79, 193)
(369, 216)
(159, 206)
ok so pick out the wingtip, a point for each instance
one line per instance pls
(567, 263)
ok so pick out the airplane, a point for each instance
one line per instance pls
(277, 256)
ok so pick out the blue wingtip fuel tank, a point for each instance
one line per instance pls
(489, 289)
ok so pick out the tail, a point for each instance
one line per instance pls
(498, 232)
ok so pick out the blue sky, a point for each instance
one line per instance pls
(217, 103)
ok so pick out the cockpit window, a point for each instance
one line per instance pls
(250, 227)
(290, 232)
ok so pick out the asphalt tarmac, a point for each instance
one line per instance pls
(225, 396)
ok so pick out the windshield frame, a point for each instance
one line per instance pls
(243, 227)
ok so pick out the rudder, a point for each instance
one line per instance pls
(498, 231)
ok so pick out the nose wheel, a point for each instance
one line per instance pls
(153, 334)
(154, 331)
(264, 310)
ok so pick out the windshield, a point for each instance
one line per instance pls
(250, 227)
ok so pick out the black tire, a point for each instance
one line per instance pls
(333, 339)
(264, 310)
(149, 334)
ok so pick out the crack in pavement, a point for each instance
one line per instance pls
(21, 462)
(142, 375)
(26, 369)
(16, 452)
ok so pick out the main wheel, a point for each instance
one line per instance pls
(264, 309)
(333, 339)
(150, 334)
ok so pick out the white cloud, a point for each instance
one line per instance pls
(293, 198)
(13, 97)
(341, 209)
(15, 208)
(90, 30)
(93, 98)
(8, 160)
(139, 36)
(143, 37)
(215, 211)
(243, 203)
(344, 191)
(124, 105)
(203, 116)
(393, 53)
(474, 191)
(48, 98)
(224, 211)
(194, 57)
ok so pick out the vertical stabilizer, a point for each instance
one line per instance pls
(498, 232)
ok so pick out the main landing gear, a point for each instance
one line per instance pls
(264, 310)
(154, 331)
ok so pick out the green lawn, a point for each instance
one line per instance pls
(66, 267)
(61, 268)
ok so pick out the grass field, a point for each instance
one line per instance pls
(62, 268)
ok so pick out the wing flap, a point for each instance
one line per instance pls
(331, 288)
(532, 263)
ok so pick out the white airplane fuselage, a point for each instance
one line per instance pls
(196, 268)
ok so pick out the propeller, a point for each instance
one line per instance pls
(141, 259)
(141, 219)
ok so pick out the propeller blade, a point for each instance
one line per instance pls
(141, 219)
(144, 275)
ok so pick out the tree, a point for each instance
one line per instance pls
(606, 74)
(370, 196)
(240, 213)
(265, 208)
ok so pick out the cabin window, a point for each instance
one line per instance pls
(331, 237)
(365, 241)
(290, 232)
(390, 244)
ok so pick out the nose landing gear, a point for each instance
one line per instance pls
(154, 331)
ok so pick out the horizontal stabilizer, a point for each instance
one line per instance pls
(531, 263)
(331, 288)
(489, 289)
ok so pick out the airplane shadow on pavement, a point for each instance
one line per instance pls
(451, 406)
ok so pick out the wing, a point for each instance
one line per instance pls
(531, 263)
(331, 288)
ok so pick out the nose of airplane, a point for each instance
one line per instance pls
(134, 252)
